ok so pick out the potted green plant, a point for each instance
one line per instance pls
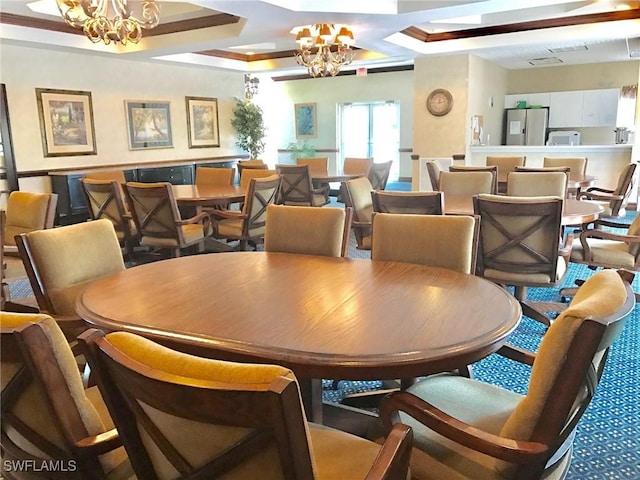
(248, 122)
(306, 150)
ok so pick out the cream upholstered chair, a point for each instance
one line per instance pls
(48, 417)
(537, 184)
(248, 174)
(61, 261)
(182, 416)
(357, 166)
(249, 223)
(520, 246)
(158, 219)
(613, 202)
(493, 169)
(434, 170)
(357, 194)
(379, 174)
(466, 183)
(297, 188)
(505, 165)
(308, 230)
(317, 165)
(105, 200)
(117, 175)
(446, 241)
(577, 167)
(215, 176)
(421, 203)
(26, 212)
(467, 429)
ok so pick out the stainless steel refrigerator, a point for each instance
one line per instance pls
(526, 126)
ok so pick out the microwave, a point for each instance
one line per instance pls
(564, 137)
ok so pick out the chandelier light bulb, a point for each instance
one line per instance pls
(324, 48)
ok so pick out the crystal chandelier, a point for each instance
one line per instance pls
(324, 48)
(93, 17)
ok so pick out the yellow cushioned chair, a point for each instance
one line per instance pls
(26, 212)
(357, 194)
(577, 167)
(505, 165)
(215, 176)
(613, 202)
(181, 415)
(467, 184)
(446, 241)
(317, 165)
(157, 218)
(308, 230)
(48, 417)
(493, 169)
(357, 166)
(250, 164)
(466, 429)
(537, 184)
(248, 174)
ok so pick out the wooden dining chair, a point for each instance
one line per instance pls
(467, 429)
(505, 165)
(467, 183)
(215, 176)
(420, 203)
(308, 230)
(492, 169)
(182, 416)
(157, 218)
(577, 167)
(317, 165)
(107, 175)
(248, 224)
(537, 184)
(297, 187)
(434, 170)
(105, 200)
(27, 212)
(520, 247)
(51, 427)
(613, 201)
(357, 195)
(379, 174)
(249, 174)
(250, 164)
(357, 166)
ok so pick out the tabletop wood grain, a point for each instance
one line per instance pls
(207, 194)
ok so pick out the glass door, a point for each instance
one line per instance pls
(370, 130)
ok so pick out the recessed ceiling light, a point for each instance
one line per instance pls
(545, 61)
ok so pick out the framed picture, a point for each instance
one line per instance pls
(149, 124)
(66, 122)
(306, 126)
(202, 122)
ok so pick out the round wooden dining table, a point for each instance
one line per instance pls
(210, 195)
(322, 317)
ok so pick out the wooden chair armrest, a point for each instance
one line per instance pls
(608, 223)
(222, 214)
(10, 249)
(99, 444)
(393, 459)
(357, 224)
(517, 354)
(595, 196)
(514, 451)
(605, 235)
(596, 189)
(196, 218)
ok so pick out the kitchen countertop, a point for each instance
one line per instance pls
(549, 148)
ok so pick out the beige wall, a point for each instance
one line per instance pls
(110, 80)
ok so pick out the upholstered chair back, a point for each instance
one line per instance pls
(65, 259)
(537, 184)
(250, 173)
(317, 165)
(434, 170)
(117, 175)
(419, 203)
(506, 164)
(215, 176)
(181, 415)
(493, 169)
(46, 411)
(558, 362)
(357, 166)
(26, 212)
(446, 241)
(359, 191)
(307, 230)
(577, 165)
(379, 174)
(466, 183)
(296, 188)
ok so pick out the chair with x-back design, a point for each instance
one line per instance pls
(158, 219)
(297, 188)
(249, 224)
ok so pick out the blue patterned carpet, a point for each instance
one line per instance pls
(607, 444)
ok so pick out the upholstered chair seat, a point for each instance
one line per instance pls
(535, 278)
(502, 435)
(50, 415)
(247, 421)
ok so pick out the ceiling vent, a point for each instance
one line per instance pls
(545, 61)
(575, 48)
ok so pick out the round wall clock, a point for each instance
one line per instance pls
(439, 102)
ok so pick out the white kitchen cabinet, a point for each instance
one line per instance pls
(565, 109)
(600, 107)
(511, 100)
(541, 99)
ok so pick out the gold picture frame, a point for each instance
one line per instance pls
(306, 120)
(202, 122)
(66, 122)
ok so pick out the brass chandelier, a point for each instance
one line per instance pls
(93, 17)
(324, 48)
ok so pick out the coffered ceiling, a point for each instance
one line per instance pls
(254, 36)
